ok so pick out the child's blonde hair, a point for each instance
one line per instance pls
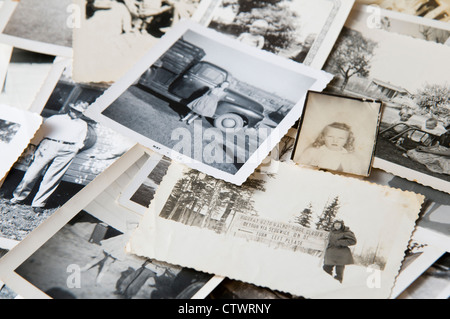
(349, 146)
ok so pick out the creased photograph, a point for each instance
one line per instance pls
(67, 153)
(40, 26)
(338, 134)
(17, 128)
(301, 30)
(206, 100)
(114, 34)
(413, 139)
(325, 235)
(80, 253)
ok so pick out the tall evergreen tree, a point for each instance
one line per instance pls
(329, 214)
(305, 217)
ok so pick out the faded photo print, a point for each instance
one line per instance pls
(42, 21)
(94, 251)
(337, 134)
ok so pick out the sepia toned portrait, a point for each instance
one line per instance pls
(337, 134)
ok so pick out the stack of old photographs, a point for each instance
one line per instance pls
(212, 149)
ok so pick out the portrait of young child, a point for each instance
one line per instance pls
(337, 134)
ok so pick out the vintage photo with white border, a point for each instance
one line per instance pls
(301, 30)
(325, 235)
(140, 191)
(43, 26)
(193, 109)
(17, 128)
(114, 34)
(434, 283)
(80, 251)
(413, 141)
(26, 73)
(418, 258)
(66, 153)
(433, 226)
(338, 133)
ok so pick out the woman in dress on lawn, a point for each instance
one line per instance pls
(206, 104)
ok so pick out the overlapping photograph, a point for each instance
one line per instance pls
(17, 129)
(66, 154)
(208, 101)
(80, 254)
(113, 34)
(44, 26)
(325, 235)
(413, 139)
(338, 134)
(301, 30)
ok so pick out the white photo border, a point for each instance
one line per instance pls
(136, 182)
(27, 247)
(117, 89)
(6, 13)
(387, 166)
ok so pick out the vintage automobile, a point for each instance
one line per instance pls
(181, 76)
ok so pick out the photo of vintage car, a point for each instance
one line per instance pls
(181, 76)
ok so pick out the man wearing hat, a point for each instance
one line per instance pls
(64, 136)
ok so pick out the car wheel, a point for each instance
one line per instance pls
(229, 122)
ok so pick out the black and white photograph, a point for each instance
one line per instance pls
(96, 253)
(221, 108)
(5, 246)
(419, 257)
(433, 227)
(339, 232)
(431, 9)
(413, 137)
(25, 74)
(81, 252)
(433, 284)
(139, 193)
(17, 129)
(6, 293)
(40, 26)
(66, 154)
(301, 30)
(338, 134)
(233, 289)
(114, 34)
(7, 131)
